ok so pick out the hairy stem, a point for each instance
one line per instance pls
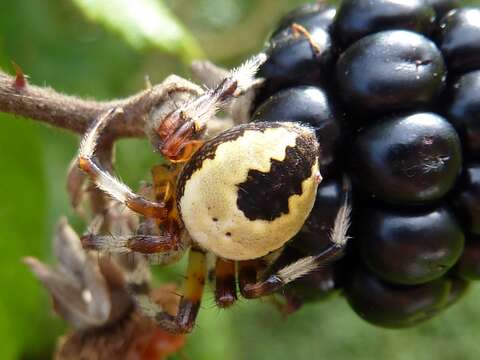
(72, 113)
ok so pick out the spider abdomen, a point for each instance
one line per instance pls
(249, 190)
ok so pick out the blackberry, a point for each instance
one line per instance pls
(314, 236)
(390, 71)
(459, 39)
(408, 159)
(312, 106)
(394, 306)
(409, 247)
(293, 59)
(358, 18)
(394, 96)
(309, 16)
(442, 7)
(468, 266)
(467, 200)
(463, 110)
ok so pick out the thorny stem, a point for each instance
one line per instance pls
(44, 104)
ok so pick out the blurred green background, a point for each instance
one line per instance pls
(72, 46)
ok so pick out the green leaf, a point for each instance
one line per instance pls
(23, 304)
(144, 23)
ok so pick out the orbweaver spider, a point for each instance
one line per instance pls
(239, 195)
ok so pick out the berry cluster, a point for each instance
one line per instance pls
(393, 91)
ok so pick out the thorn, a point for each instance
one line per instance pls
(20, 78)
(148, 83)
(29, 260)
(299, 30)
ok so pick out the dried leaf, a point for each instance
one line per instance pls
(76, 179)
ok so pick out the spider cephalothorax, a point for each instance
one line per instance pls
(239, 195)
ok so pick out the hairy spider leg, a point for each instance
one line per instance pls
(144, 244)
(184, 320)
(153, 235)
(181, 130)
(225, 285)
(109, 183)
(287, 274)
(251, 288)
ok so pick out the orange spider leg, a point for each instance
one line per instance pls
(225, 286)
(184, 320)
(188, 149)
(247, 274)
(192, 290)
(164, 181)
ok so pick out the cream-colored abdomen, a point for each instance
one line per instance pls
(209, 209)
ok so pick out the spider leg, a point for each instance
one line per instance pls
(251, 288)
(108, 183)
(181, 129)
(289, 273)
(225, 286)
(149, 239)
(184, 320)
(247, 274)
(144, 244)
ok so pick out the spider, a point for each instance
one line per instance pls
(240, 195)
